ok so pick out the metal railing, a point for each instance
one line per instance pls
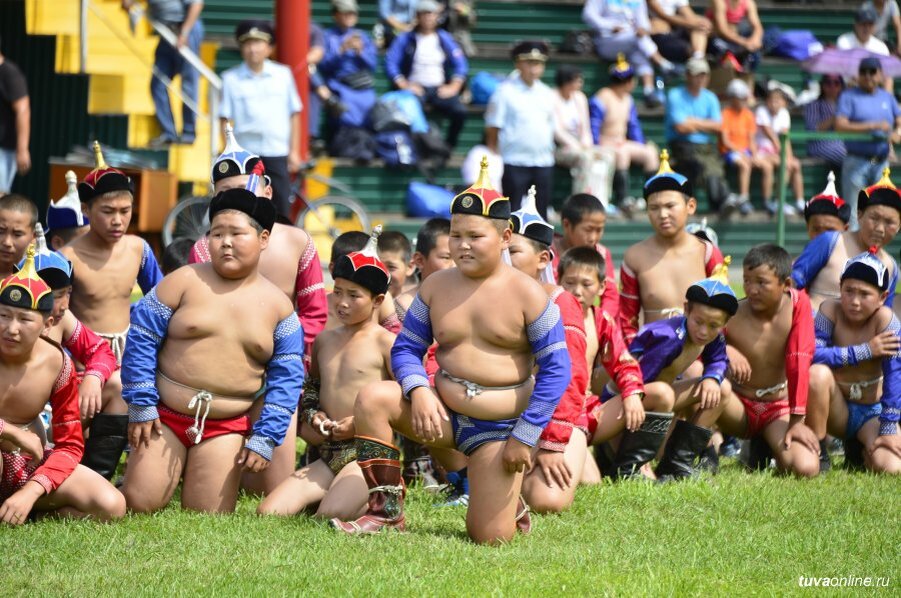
(214, 82)
(783, 166)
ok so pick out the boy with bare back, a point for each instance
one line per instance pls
(205, 345)
(345, 359)
(856, 383)
(34, 371)
(656, 272)
(493, 324)
(818, 269)
(18, 215)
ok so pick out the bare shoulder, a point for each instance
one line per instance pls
(296, 236)
(405, 299)
(532, 296)
(283, 305)
(443, 279)
(830, 308)
(883, 317)
(71, 249)
(48, 356)
(173, 286)
(632, 257)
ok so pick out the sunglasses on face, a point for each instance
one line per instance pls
(868, 71)
(831, 82)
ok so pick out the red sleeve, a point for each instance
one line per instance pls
(799, 352)
(714, 257)
(610, 299)
(68, 441)
(557, 433)
(200, 252)
(91, 350)
(431, 363)
(615, 356)
(629, 303)
(392, 324)
(309, 295)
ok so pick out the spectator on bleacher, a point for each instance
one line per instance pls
(519, 124)
(459, 19)
(395, 17)
(183, 18)
(472, 166)
(692, 127)
(260, 97)
(15, 124)
(738, 145)
(428, 62)
(677, 30)
(773, 120)
(866, 109)
(349, 65)
(819, 115)
(736, 30)
(862, 35)
(886, 12)
(615, 126)
(623, 27)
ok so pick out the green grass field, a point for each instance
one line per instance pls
(735, 533)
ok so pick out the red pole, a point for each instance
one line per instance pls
(292, 32)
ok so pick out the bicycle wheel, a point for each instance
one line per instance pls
(189, 218)
(334, 214)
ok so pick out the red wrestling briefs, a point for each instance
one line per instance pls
(762, 413)
(180, 423)
(18, 469)
(588, 420)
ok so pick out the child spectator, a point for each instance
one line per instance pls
(738, 144)
(773, 120)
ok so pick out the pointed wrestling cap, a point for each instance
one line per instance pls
(667, 179)
(364, 267)
(66, 212)
(715, 290)
(259, 209)
(621, 70)
(529, 223)
(25, 289)
(869, 268)
(51, 266)
(703, 231)
(828, 202)
(234, 159)
(882, 193)
(481, 199)
(103, 179)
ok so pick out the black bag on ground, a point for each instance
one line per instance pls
(355, 143)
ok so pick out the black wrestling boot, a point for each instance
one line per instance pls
(825, 461)
(104, 446)
(603, 456)
(685, 446)
(759, 454)
(854, 455)
(639, 447)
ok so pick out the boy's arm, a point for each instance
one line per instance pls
(629, 302)
(596, 114)
(149, 325)
(813, 258)
(891, 388)
(713, 257)
(557, 433)
(616, 358)
(893, 282)
(832, 356)
(714, 359)
(410, 347)
(610, 298)
(310, 301)
(150, 274)
(633, 126)
(284, 381)
(799, 352)
(309, 401)
(92, 351)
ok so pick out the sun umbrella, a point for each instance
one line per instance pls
(845, 62)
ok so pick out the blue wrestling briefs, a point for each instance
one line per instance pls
(858, 415)
(471, 433)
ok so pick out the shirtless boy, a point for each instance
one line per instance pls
(34, 371)
(859, 374)
(656, 272)
(818, 268)
(431, 255)
(345, 359)
(826, 211)
(191, 382)
(18, 215)
(65, 220)
(396, 253)
(493, 324)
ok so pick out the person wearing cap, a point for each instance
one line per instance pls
(65, 218)
(15, 124)
(346, 358)
(737, 30)
(260, 99)
(494, 325)
(856, 389)
(692, 124)
(887, 12)
(183, 18)
(866, 109)
(818, 268)
(826, 211)
(428, 62)
(519, 124)
(208, 345)
(36, 371)
(819, 115)
(738, 145)
(615, 126)
(862, 36)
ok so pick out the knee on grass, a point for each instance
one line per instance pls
(107, 504)
(491, 533)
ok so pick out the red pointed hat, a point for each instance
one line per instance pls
(828, 202)
(364, 267)
(103, 179)
(882, 193)
(25, 289)
(481, 199)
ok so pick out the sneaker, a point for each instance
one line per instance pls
(458, 490)
(186, 139)
(634, 204)
(654, 99)
(729, 206)
(730, 447)
(800, 204)
(161, 142)
(836, 447)
(772, 207)
(744, 206)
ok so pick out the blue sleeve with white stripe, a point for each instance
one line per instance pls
(150, 274)
(149, 325)
(410, 348)
(828, 354)
(891, 387)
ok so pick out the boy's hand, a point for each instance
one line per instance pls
(892, 442)
(252, 462)
(633, 411)
(517, 456)
(90, 393)
(884, 344)
(343, 429)
(27, 441)
(739, 367)
(798, 432)
(710, 391)
(428, 413)
(553, 467)
(15, 510)
(139, 433)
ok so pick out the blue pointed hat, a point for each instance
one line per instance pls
(234, 159)
(869, 268)
(66, 212)
(667, 179)
(715, 290)
(528, 222)
(51, 266)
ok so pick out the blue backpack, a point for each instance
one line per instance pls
(395, 148)
(428, 201)
(482, 86)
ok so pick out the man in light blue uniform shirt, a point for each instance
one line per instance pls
(260, 98)
(519, 124)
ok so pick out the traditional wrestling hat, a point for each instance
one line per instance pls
(529, 223)
(364, 267)
(234, 159)
(51, 266)
(621, 70)
(66, 212)
(882, 193)
(260, 209)
(828, 202)
(868, 268)
(25, 288)
(667, 179)
(481, 199)
(703, 231)
(103, 179)
(530, 50)
(715, 290)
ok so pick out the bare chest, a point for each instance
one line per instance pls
(762, 343)
(480, 318)
(663, 281)
(23, 394)
(678, 366)
(98, 277)
(591, 349)
(233, 318)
